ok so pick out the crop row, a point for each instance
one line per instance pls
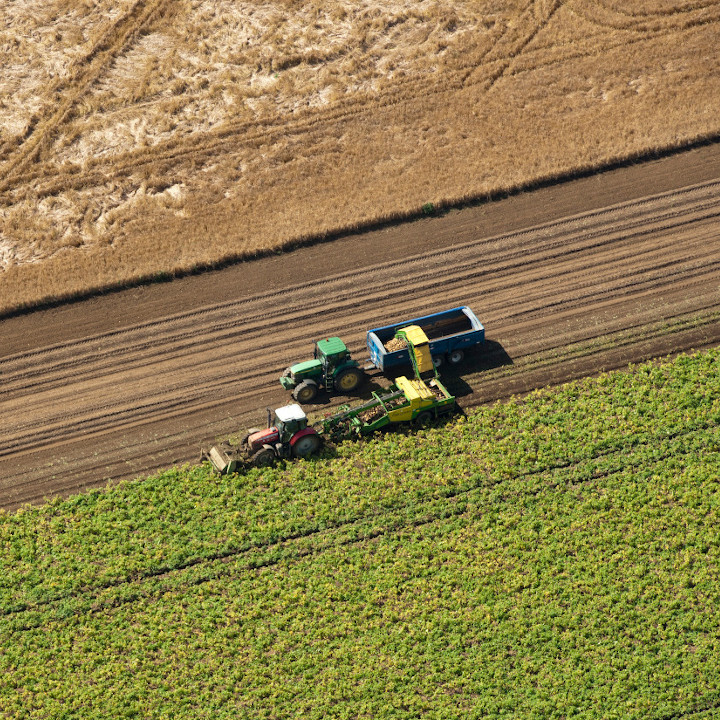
(186, 516)
(550, 557)
(584, 599)
(644, 459)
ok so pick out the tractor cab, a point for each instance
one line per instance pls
(289, 420)
(286, 436)
(331, 352)
(327, 355)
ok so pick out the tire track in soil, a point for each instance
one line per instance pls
(193, 348)
(68, 357)
(118, 35)
(485, 69)
(617, 19)
(563, 298)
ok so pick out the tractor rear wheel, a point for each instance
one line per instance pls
(348, 380)
(306, 445)
(305, 392)
(263, 457)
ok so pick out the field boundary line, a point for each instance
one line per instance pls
(598, 213)
(27, 377)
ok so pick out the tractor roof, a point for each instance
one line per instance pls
(286, 413)
(331, 346)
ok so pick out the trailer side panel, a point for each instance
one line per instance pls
(450, 330)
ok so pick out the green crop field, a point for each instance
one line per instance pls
(556, 556)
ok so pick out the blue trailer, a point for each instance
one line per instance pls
(450, 333)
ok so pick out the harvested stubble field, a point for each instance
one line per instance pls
(554, 557)
(154, 136)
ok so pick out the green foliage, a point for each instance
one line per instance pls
(550, 557)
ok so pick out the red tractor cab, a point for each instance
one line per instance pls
(287, 436)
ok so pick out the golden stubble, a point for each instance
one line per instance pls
(153, 137)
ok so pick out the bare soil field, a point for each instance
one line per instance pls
(143, 137)
(570, 280)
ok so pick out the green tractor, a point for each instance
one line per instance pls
(331, 369)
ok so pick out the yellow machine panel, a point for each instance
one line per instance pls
(419, 340)
(416, 391)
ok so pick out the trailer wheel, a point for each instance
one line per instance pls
(306, 445)
(423, 419)
(348, 380)
(263, 457)
(438, 360)
(455, 357)
(305, 392)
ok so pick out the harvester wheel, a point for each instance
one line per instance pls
(423, 419)
(455, 357)
(305, 392)
(306, 445)
(348, 380)
(263, 457)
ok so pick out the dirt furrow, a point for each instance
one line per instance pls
(134, 342)
(99, 383)
(46, 411)
(121, 385)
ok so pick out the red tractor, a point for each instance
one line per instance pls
(287, 437)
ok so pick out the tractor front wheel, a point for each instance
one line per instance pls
(348, 380)
(263, 457)
(305, 392)
(306, 445)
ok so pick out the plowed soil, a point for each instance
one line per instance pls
(569, 280)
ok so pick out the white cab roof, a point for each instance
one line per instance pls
(289, 412)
